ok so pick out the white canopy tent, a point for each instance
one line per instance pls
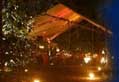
(56, 21)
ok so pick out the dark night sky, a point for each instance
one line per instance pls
(111, 17)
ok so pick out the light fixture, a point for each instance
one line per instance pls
(99, 68)
(91, 76)
(36, 80)
(103, 60)
(26, 70)
(87, 59)
(57, 50)
(41, 46)
(103, 52)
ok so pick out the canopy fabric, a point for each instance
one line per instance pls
(55, 21)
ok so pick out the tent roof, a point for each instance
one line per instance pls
(56, 21)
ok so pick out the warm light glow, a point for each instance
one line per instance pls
(99, 68)
(103, 52)
(67, 55)
(41, 47)
(36, 80)
(6, 63)
(103, 60)
(12, 61)
(26, 70)
(57, 49)
(87, 59)
(91, 76)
